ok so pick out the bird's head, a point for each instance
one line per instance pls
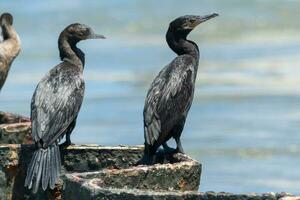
(77, 32)
(6, 19)
(185, 24)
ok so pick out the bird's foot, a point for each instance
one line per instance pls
(179, 150)
(146, 160)
(169, 150)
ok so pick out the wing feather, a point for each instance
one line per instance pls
(169, 97)
(56, 103)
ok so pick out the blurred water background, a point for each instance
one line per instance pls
(244, 123)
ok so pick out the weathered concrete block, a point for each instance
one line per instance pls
(290, 198)
(14, 129)
(108, 167)
(17, 133)
(86, 158)
(182, 175)
(110, 173)
(85, 190)
(10, 118)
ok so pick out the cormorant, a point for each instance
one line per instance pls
(9, 47)
(55, 105)
(171, 93)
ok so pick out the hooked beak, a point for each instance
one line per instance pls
(201, 19)
(95, 36)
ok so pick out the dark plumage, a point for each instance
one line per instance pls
(55, 105)
(171, 93)
(9, 47)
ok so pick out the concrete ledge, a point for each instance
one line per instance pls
(88, 190)
(183, 175)
(16, 133)
(10, 118)
(108, 167)
(14, 129)
(110, 173)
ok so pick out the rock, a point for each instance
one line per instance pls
(290, 198)
(109, 173)
(14, 129)
(107, 167)
(16, 133)
(183, 175)
(86, 191)
(9, 118)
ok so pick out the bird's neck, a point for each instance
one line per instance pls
(11, 41)
(8, 32)
(180, 45)
(69, 52)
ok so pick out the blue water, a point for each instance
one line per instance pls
(244, 123)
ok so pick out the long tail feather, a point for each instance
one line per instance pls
(44, 167)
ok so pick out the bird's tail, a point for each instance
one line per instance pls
(44, 166)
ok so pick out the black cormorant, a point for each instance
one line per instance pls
(9, 47)
(171, 93)
(55, 105)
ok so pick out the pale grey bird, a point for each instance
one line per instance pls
(10, 46)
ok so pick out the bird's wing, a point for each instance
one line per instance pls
(152, 125)
(55, 104)
(2, 71)
(169, 98)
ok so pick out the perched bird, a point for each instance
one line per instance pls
(171, 93)
(9, 47)
(55, 105)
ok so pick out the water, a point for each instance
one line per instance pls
(244, 123)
